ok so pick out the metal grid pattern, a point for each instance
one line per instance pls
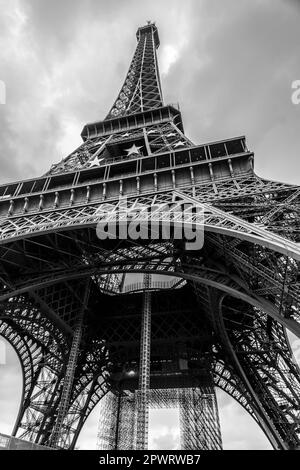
(245, 279)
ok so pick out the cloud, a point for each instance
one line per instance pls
(164, 429)
(239, 430)
(235, 78)
(229, 64)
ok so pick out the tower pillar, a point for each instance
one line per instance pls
(58, 431)
(144, 371)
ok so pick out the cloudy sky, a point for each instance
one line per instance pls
(229, 63)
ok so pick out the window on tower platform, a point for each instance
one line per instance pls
(182, 158)
(163, 161)
(148, 164)
(198, 154)
(234, 146)
(217, 150)
(123, 169)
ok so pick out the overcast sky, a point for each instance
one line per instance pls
(229, 63)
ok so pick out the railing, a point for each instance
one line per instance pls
(154, 285)
(13, 443)
(12, 190)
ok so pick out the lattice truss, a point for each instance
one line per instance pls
(199, 420)
(43, 350)
(117, 426)
(245, 277)
(141, 90)
(263, 273)
(153, 139)
(259, 349)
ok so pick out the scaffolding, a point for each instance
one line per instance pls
(13, 443)
(199, 418)
(144, 371)
(125, 413)
(117, 427)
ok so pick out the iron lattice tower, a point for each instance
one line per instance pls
(75, 321)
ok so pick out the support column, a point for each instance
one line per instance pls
(199, 419)
(118, 420)
(117, 426)
(107, 433)
(69, 375)
(144, 371)
(127, 422)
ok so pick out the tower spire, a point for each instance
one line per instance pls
(141, 90)
(77, 325)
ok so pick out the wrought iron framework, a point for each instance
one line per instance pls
(75, 321)
(199, 420)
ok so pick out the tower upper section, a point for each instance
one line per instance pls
(140, 132)
(141, 90)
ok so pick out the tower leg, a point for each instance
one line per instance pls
(144, 378)
(57, 434)
(199, 419)
(108, 433)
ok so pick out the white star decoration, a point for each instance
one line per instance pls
(179, 144)
(95, 162)
(133, 150)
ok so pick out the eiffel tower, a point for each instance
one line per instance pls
(143, 322)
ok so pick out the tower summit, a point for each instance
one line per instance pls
(86, 332)
(141, 90)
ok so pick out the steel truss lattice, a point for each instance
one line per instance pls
(223, 314)
(199, 420)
